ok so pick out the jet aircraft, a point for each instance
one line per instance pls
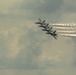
(47, 28)
(53, 33)
(42, 23)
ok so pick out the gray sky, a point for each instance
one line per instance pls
(25, 49)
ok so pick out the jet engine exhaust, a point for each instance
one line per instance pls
(67, 29)
(69, 32)
(63, 24)
(68, 35)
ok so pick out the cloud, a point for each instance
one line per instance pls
(58, 52)
(19, 46)
(69, 6)
(5, 6)
(24, 46)
(53, 71)
(30, 9)
(12, 36)
(41, 8)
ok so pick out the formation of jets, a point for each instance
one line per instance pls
(47, 28)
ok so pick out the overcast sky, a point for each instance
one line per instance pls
(25, 49)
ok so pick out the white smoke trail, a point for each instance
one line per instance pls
(67, 29)
(63, 24)
(68, 35)
(73, 32)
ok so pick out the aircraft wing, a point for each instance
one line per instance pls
(55, 37)
(44, 21)
(54, 31)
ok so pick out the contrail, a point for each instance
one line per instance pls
(68, 35)
(70, 32)
(67, 29)
(63, 24)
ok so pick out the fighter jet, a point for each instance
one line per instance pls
(47, 28)
(42, 23)
(53, 33)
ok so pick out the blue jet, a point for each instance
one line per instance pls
(53, 33)
(42, 23)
